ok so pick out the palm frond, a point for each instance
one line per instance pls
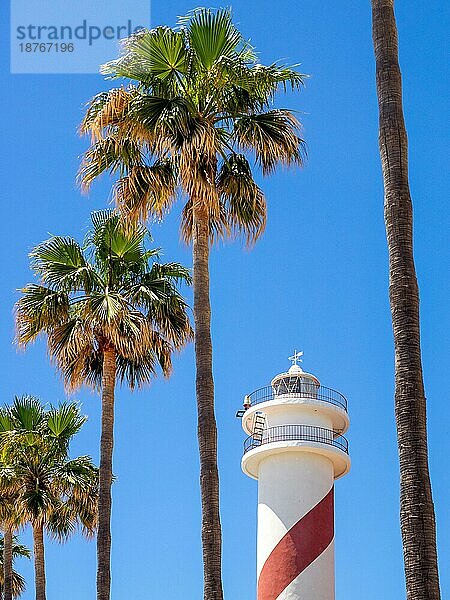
(7, 423)
(60, 263)
(172, 320)
(86, 369)
(272, 136)
(170, 272)
(39, 309)
(65, 420)
(114, 243)
(60, 524)
(213, 35)
(77, 480)
(27, 413)
(141, 371)
(20, 550)
(110, 154)
(149, 55)
(215, 215)
(168, 121)
(262, 81)
(69, 340)
(106, 308)
(147, 191)
(245, 202)
(105, 110)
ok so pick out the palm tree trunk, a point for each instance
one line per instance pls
(39, 561)
(417, 517)
(105, 476)
(207, 430)
(7, 562)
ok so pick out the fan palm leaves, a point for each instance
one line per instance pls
(17, 581)
(197, 112)
(50, 491)
(110, 311)
(199, 108)
(100, 295)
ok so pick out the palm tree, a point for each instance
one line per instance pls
(417, 516)
(12, 516)
(200, 105)
(109, 314)
(11, 519)
(51, 491)
(18, 582)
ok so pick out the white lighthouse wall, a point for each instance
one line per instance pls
(290, 484)
(316, 582)
(297, 414)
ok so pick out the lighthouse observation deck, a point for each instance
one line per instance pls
(291, 387)
(305, 433)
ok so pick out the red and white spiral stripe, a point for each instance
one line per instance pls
(296, 529)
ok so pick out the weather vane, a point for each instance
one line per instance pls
(296, 357)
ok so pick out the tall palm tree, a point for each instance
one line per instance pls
(52, 491)
(17, 581)
(11, 519)
(417, 516)
(12, 516)
(109, 312)
(201, 104)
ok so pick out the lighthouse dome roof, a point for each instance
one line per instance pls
(294, 378)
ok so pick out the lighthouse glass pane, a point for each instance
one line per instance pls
(295, 385)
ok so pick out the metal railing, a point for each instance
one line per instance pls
(302, 390)
(298, 433)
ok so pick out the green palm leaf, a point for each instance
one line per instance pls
(212, 35)
(161, 52)
(114, 241)
(150, 54)
(61, 265)
(38, 309)
(26, 414)
(138, 372)
(65, 420)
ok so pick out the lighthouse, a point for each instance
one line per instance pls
(295, 449)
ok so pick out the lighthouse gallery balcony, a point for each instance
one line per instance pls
(301, 433)
(293, 388)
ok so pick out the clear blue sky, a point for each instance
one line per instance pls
(317, 281)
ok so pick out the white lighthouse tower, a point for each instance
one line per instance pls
(295, 450)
